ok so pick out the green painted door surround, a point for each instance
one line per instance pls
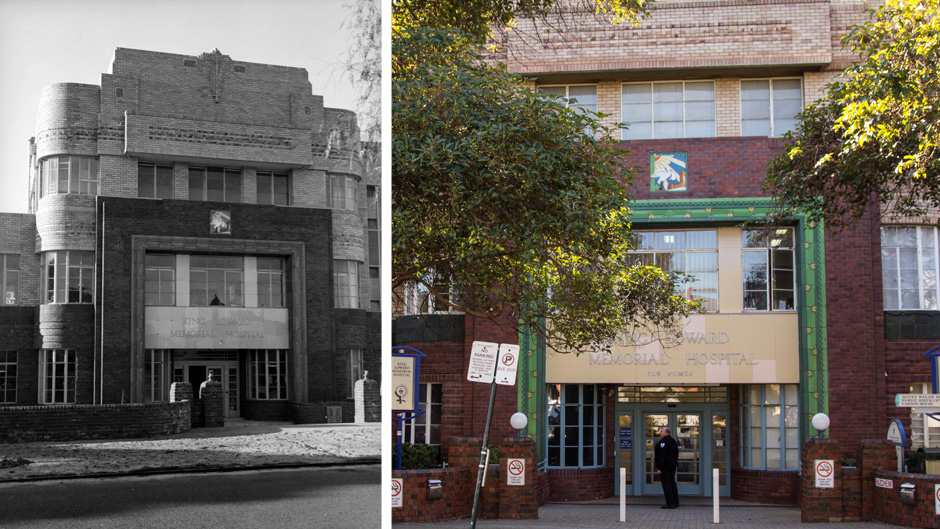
(706, 213)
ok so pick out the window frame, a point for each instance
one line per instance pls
(266, 358)
(230, 191)
(346, 284)
(772, 107)
(424, 426)
(60, 282)
(655, 252)
(7, 269)
(374, 239)
(151, 170)
(157, 375)
(788, 412)
(195, 290)
(418, 300)
(270, 188)
(78, 182)
(598, 408)
(161, 290)
(342, 197)
(50, 369)
(625, 131)
(8, 377)
(275, 279)
(922, 251)
(770, 251)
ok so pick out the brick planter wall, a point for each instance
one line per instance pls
(887, 502)
(580, 484)
(456, 500)
(22, 424)
(778, 487)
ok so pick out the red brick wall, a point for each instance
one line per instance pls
(580, 484)
(887, 502)
(456, 500)
(820, 504)
(777, 487)
(110, 421)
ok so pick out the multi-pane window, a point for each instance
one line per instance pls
(9, 278)
(216, 280)
(267, 374)
(925, 431)
(68, 276)
(693, 252)
(77, 175)
(341, 192)
(345, 284)
(156, 375)
(7, 377)
(57, 376)
(160, 279)
(769, 106)
(909, 267)
(154, 180)
(575, 425)
(375, 259)
(215, 184)
(426, 428)
(767, 266)
(684, 109)
(271, 282)
(420, 300)
(273, 188)
(771, 426)
(579, 97)
(355, 368)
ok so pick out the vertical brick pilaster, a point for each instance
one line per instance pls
(518, 501)
(821, 504)
(874, 455)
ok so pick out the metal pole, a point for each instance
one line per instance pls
(401, 435)
(483, 458)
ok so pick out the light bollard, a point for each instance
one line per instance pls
(715, 494)
(623, 495)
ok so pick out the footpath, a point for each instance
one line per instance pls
(239, 445)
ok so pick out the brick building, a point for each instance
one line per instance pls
(193, 215)
(796, 323)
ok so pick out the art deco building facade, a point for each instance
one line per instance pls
(193, 215)
(796, 323)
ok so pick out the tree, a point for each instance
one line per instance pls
(363, 63)
(513, 196)
(875, 133)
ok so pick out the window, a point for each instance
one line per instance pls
(355, 369)
(909, 267)
(271, 282)
(767, 265)
(156, 375)
(769, 106)
(426, 428)
(154, 180)
(77, 175)
(215, 184)
(419, 300)
(579, 97)
(267, 374)
(346, 284)
(771, 426)
(375, 259)
(68, 276)
(7, 377)
(216, 280)
(575, 425)
(9, 278)
(160, 279)
(57, 376)
(341, 192)
(273, 188)
(689, 252)
(668, 110)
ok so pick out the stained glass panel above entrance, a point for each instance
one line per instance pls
(672, 394)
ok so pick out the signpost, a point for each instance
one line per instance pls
(493, 364)
(406, 368)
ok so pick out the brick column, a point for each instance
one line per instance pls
(368, 397)
(818, 504)
(213, 403)
(180, 391)
(465, 452)
(875, 455)
(518, 501)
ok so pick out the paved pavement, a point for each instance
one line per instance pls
(240, 445)
(646, 513)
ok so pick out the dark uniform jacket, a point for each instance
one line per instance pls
(667, 454)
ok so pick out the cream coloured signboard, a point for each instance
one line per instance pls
(215, 328)
(711, 349)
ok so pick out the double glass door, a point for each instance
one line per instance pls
(686, 430)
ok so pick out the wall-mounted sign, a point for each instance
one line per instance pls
(508, 364)
(515, 472)
(397, 490)
(824, 470)
(669, 172)
(884, 483)
(216, 328)
(9, 297)
(220, 222)
(482, 362)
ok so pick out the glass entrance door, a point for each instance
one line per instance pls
(686, 429)
(226, 373)
(625, 452)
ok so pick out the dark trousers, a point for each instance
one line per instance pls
(670, 489)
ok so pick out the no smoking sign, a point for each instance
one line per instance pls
(396, 492)
(516, 472)
(824, 470)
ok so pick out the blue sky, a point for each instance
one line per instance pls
(43, 42)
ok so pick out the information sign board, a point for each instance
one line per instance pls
(507, 365)
(910, 400)
(403, 383)
(482, 362)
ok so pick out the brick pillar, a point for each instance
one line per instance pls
(820, 504)
(875, 455)
(465, 452)
(180, 391)
(213, 403)
(368, 396)
(518, 501)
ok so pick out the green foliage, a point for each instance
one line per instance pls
(515, 197)
(416, 456)
(875, 133)
(848, 461)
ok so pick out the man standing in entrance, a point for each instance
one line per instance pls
(667, 459)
